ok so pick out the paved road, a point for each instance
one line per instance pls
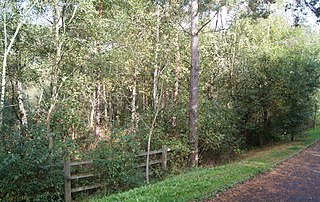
(297, 179)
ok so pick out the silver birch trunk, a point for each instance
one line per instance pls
(7, 49)
(110, 110)
(153, 125)
(177, 70)
(98, 89)
(134, 97)
(194, 74)
(177, 75)
(91, 116)
(98, 109)
(149, 144)
(54, 71)
(106, 115)
(156, 70)
(22, 110)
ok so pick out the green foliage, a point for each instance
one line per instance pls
(221, 141)
(260, 86)
(116, 162)
(29, 171)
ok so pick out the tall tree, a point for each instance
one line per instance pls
(8, 45)
(194, 77)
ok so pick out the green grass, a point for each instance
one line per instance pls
(205, 182)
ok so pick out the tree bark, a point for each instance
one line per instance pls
(91, 116)
(133, 101)
(22, 110)
(177, 70)
(156, 70)
(263, 135)
(177, 75)
(98, 89)
(98, 108)
(149, 144)
(7, 49)
(315, 116)
(194, 74)
(106, 115)
(111, 114)
(54, 71)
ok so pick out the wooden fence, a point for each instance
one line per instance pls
(68, 177)
(68, 190)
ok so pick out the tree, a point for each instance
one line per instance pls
(299, 9)
(194, 75)
(8, 45)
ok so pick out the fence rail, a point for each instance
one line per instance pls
(68, 177)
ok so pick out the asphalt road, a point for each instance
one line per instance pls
(296, 179)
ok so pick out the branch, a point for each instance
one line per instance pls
(73, 14)
(4, 4)
(185, 31)
(205, 24)
(13, 37)
(29, 9)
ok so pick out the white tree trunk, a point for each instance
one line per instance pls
(22, 110)
(156, 69)
(98, 109)
(54, 71)
(91, 116)
(133, 101)
(7, 49)
(177, 75)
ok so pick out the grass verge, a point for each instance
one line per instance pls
(205, 182)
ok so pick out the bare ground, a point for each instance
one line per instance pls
(296, 179)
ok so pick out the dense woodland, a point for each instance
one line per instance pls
(106, 79)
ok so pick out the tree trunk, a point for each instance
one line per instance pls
(156, 70)
(106, 115)
(149, 144)
(98, 89)
(22, 110)
(91, 116)
(263, 135)
(315, 116)
(111, 115)
(7, 49)
(98, 109)
(134, 97)
(177, 75)
(177, 70)
(54, 71)
(194, 74)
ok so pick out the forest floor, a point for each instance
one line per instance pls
(296, 179)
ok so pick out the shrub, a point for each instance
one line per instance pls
(116, 162)
(29, 171)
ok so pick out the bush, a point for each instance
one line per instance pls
(29, 171)
(218, 137)
(116, 162)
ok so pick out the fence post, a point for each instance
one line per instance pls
(67, 181)
(164, 157)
